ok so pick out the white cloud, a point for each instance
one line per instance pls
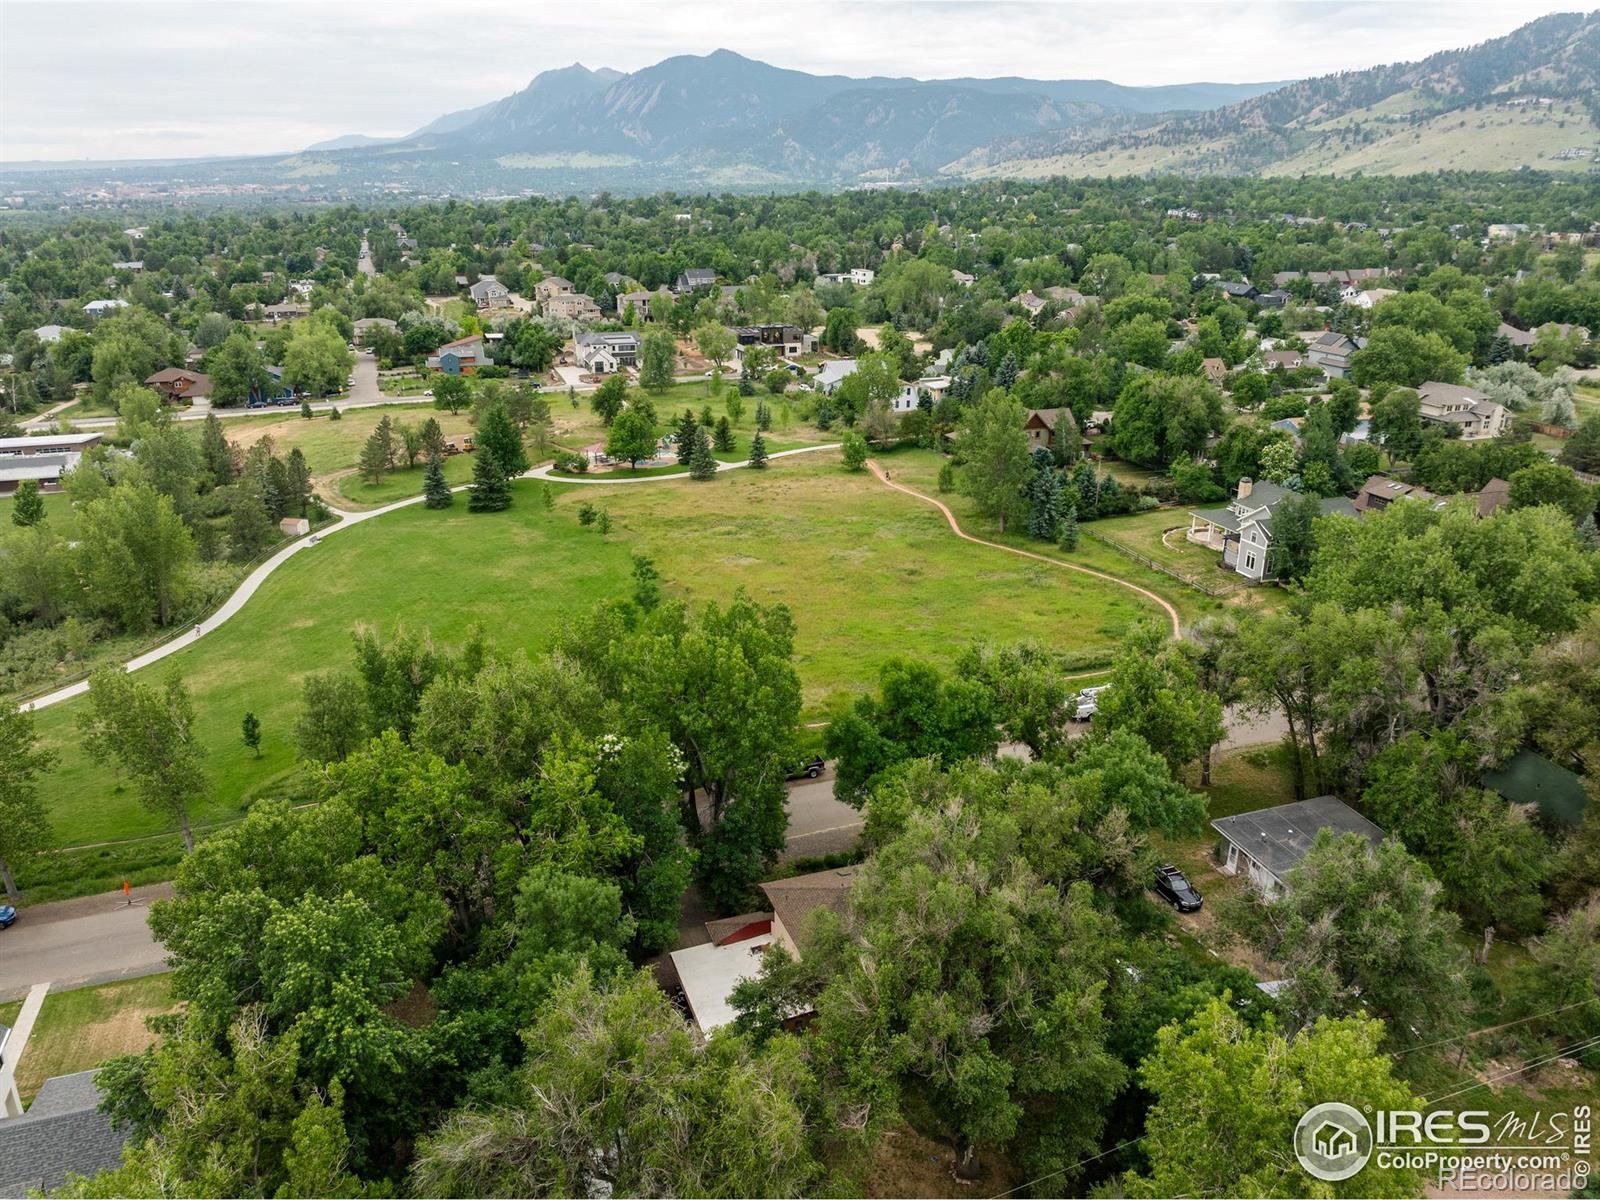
(189, 77)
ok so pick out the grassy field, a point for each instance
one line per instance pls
(82, 1029)
(1145, 534)
(867, 572)
(920, 469)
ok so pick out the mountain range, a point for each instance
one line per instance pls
(722, 121)
(1531, 98)
(723, 114)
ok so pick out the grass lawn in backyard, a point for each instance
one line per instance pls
(1147, 534)
(868, 573)
(332, 445)
(58, 514)
(82, 1029)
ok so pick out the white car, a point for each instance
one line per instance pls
(1088, 702)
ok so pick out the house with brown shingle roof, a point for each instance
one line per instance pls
(794, 900)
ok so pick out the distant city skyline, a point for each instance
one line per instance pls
(200, 78)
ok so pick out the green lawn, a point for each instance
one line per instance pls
(397, 485)
(57, 512)
(868, 573)
(80, 1030)
(1145, 533)
(920, 469)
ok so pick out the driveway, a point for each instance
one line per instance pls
(72, 943)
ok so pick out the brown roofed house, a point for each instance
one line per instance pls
(1043, 424)
(179, 384)
(794, 900)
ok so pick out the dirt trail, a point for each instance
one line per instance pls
(955, 527)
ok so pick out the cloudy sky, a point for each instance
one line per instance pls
(186, 78)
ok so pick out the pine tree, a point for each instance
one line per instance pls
(1045, 514)
(251, 730)
(724, 435)
(500, 439)
(763, 416)
(298, 476)
(1588, 533)
(758, 451)
(702, 465)
(1006, 376)
(1067, 534)
(374, 460)
(491, 492)
(1500, 350)
(305, 409)
(435, 490)
(27, 508)
(432, 438)
(688, 431)
(216, 453)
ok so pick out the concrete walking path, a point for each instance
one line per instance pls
(955, 527)
(10, 1101)
(253, 581)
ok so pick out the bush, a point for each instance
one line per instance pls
(587, 513)
(567, 460)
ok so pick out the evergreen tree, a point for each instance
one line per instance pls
(500, 439)
(297, 475)
(1088, 491)
(436, 491)
(701, 463)
(305, 409)
(491, 491)
(1067, 531)
(374, 460)
(688, 431)
(1045, 512)
(1500, 350)
(763, 416)
(250, 728)
(1006, 376)
(27, 507)
(215, 453)
(432, 439)
(724, 435)
(758, 451)
(384, 432)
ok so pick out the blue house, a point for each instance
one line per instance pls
(274, 392)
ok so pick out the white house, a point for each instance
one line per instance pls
(862, 276)
(937, 387)
(1267, 844)
(1243, 530)
(832, 374)
(606, 353)
(99, 308)
(49, 333)
(1370, 298)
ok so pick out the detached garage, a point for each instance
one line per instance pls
(1267, 844)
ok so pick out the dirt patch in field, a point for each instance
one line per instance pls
(904, 1163)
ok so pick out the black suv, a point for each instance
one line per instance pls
(1176, 890)
(808, 768)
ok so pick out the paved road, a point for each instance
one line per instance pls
(818, 824)
(76, 942)
(364, 264)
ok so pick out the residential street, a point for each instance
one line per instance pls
(75, 942)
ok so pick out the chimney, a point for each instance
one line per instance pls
(1244, 488)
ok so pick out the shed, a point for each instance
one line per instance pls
(295, 526)
(1269, 843)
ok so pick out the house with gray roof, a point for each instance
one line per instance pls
(1243, 530)
(833, 373)
(1269, 843)
(1332, 353)
(63, 1131)
(1466, 409)
(694, 279)
(489, 292)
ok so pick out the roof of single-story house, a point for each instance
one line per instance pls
(45, 468)
(1278, 838)
(1528, 777)
(794, 900)
(63, 1130)
(708, 973)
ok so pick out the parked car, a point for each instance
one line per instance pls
(1088, 702)
(8, 916)
(808, 768)
(257, 402)
(1176, 890)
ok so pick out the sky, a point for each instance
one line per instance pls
(87, 79)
